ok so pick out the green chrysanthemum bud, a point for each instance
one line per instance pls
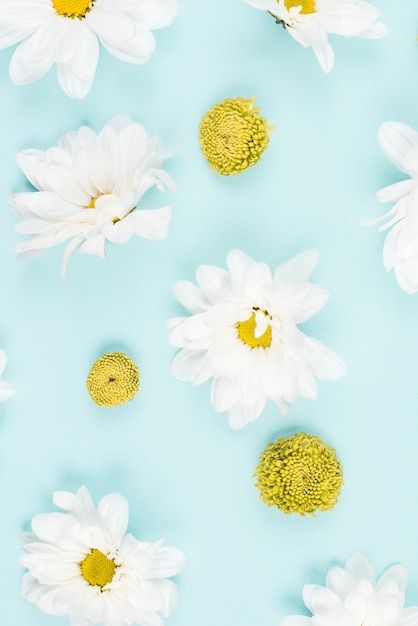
(299, 474)
(113, 379)
(233, 135)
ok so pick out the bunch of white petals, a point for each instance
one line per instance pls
(67, 33)
(89, 188)
(310, 22)
(243, 333)
(400, 251)
(81, 563)
(352, 596)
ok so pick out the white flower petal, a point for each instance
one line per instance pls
(191, 367)
(3, 361)
(113, 512)
(409, 616)
(324, 362)
(360, 568)
(190, 296)
(389, 247)
(151, 15)
(73, 245)
(396, 140)
(31, 60)
(395, 579)
(395, 192)
(214, 283)
(6, 390)
(166, 562)
(223, 394)
(321, 600)
(151, 224)
(239, 264)
(340, 582)
(324, 54)
(94, 245)
(298, 269)
(240, 415)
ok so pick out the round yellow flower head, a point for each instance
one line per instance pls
(233, 135)
(113, 379)
(299, 474)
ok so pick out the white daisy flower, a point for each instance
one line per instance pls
(243, 333)
(6, 389)
(89, 188)
(400, 251)
(311, 21)
(351, 597)
(66, 32)
(82, 564)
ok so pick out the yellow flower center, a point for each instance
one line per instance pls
(233, 135)
(246, 332)
(97, 569)
(73, 8)
(308, 6)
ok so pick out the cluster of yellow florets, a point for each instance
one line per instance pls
(113, 379)
(299, 474)
(233, 135)
(73, 8)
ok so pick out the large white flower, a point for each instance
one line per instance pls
(351, 597)
(82, 564)
(400, 251)
(310, 21)
(243, 333)
(89, 188)
(6, 389)
(66, 32)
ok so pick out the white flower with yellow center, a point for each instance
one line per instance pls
(82, 564)
(311, 21)
(352, 597)
(400, 251)
(66, 32)
(89, 187)
(6, 389)
(243, 333)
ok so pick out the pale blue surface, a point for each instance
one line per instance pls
(185, 473)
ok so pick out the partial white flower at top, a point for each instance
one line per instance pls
(243, 333)
(83, 564)
(89, 187)
(311, 21)
(66, 32)
(6, 389)
(352, 597)
(400, 251)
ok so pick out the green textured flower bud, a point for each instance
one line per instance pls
(299, 474)
(233, 135)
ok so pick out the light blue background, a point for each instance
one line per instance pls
(186, 475)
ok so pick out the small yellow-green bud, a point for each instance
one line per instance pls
(113, 379)
(233, 135)
(299, 474)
